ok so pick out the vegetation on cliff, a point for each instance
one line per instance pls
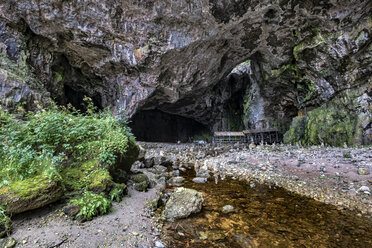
(336, 123)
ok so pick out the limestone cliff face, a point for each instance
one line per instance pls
(179, 57)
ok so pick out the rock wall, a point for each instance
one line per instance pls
(178, 56)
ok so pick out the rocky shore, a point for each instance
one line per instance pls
(337, 176)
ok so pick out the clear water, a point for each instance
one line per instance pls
(265, 217)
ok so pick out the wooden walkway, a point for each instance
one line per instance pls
(229, 137)
(256, 136)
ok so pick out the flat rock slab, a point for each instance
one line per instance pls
(176, 180)
(182, 203)
(30, 194)
(199, 180)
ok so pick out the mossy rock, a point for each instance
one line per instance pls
(142, 186)
(8, 242)
(141, 182)
(296, 132)
(100, 181)
(329, 125)
(125, 161)
(87, 175)
(29, 194)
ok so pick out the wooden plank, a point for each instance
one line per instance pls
(228, 134)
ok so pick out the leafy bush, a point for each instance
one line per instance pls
(116, 194)
(346, 155)
(91, 205)
(48, 139)
(4, 218)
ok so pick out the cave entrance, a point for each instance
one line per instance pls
(158, 126)
(70, 85)
(76, 98)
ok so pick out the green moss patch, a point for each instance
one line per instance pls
(325, 125)
(29, 194)
(88, 176)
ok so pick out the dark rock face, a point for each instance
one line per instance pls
(178, 57)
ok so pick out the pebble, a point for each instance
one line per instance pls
(159, 244)
(228, 209)
(364, 189)
(199, 180)
(363, 171)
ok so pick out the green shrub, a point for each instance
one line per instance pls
(46, 141)
(92, 205)
(346, 155)
(118, 192)
(204, 136)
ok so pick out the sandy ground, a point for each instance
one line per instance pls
(128, 225)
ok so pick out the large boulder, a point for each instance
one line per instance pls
(141, 182)
(119, 171)
(30, 194)
(182, 203)
(87, 175)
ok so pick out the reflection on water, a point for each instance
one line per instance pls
(265, 217)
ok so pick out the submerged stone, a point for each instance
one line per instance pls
(227, 209)
(182, 203)
(159, 244)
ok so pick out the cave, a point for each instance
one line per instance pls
(76, 98)
(158, 126)
(70, 85)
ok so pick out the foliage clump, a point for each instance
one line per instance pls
(45, 141)
(91, 205)
(325, 125)
(69, 150)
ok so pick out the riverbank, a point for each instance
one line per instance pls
(337, 176)
(128, 225)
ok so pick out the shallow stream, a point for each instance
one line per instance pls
(265, 217)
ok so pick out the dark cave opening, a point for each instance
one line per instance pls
(76, 99)
(158, 126)
(70, 85)
(233, 109)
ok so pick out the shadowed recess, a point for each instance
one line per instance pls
(157, 126)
